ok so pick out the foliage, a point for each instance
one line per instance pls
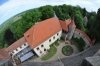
(8, 37)
(67, 50)
(32, 16)
(80, 43)
(56, 43)
(79, 20)
(62, 12)
(28, 19)
(96, 26)
(91, 23)
(2, 40)
(51, 52)
(47, 12)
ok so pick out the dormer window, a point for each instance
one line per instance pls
(16, 49)
(20, 47)
(54, 37)
(57, 34)
(41, 45)
(12, 52)
(38, 48)
(24, 44)
(49, 40)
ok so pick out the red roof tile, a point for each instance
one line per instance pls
(65, 24)
(42, 31)
(4, 54)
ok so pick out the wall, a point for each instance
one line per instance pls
(46, 44)
(78, 33)
(71, 29)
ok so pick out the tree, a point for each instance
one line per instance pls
(84, 12)
(62, 12)
(79, 20)
(2, 41)
(28, 19)
(47, 12)
(8, 37)
(96, 26)
(90, 24)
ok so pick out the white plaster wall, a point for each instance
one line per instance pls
(47, 44)
(19, 49)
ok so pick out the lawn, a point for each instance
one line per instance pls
(56, 43)
(51, 52)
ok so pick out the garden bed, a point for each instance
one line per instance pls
(67, 50)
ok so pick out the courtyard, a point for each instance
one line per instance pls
(56, 52)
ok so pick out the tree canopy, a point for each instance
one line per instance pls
(28, 18)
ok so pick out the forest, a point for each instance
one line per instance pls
(84, 20)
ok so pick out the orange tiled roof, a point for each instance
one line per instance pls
(42, 31)
(4, 54)
(65, 24)
(16, 44)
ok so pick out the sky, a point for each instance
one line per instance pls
(9, 8)
(3, 1)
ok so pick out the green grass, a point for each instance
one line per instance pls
(56, 43)
(50, 53)
(67, 50)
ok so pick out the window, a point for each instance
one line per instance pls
(50, 40)
(12, 52)
(54, 37)
(44, 49)
(20, 47)
(57, 34)
(24, 44)
(16, 49)
(42, 46)
(40, 51)
(38, 48)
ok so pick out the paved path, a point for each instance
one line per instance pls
(75, 60)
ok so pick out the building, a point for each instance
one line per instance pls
(93, 60)
(5, 63)
(43, 34)
(37, 40)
